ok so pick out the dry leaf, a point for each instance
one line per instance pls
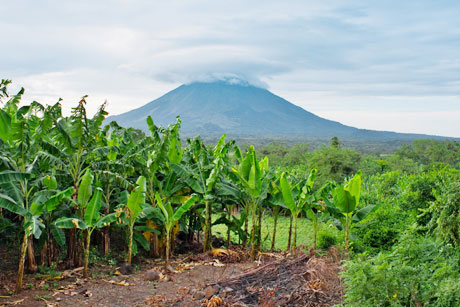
(214, 302)
(75, 223)
(121, 283)
(220, 252)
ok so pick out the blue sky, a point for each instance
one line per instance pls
(384, 65)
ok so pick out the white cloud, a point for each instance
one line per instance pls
(324, 56)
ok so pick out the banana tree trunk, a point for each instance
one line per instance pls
(85, 263)
(253, 236)
(105, 241)
(315, 233)
(80, 249)
(106, 230)
(50, 254)
(289, 236)
(229, 215)
(259, 230)
(106, 237)
(168, 238)
(43, 254)
(71, 250)
(275, 222)
(130, 243)
(346, 232)
(246, 226)
(294, 241)
(31, 264)
(72, 244)
(156, 245)
(22, 260)
(207, 244)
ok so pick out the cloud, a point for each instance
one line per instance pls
(361, 51)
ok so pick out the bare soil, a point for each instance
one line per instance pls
(199, 280)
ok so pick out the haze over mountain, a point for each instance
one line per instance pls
(238, 108)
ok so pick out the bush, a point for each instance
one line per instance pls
(418, 272)
(326, 239)
(381, 229)
(445, 214)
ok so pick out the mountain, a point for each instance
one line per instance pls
(240, 109)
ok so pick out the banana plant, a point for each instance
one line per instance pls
(297, 198)
(230, 195)
(23, 197)
(20, 179)
(275, 200)
(171, 216)
(111, 169)
(70, 147)
(346, 206)
(89, 205)
(201, 171)
(134, 209)
(160, 150)
(253, 177)
(317, 212)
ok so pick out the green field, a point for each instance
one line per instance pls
(304, 232)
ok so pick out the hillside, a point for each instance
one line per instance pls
(242, 110)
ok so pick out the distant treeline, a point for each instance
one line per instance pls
(337, 161)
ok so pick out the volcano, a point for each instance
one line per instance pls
(241, 109)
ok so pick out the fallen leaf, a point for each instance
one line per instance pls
(220, 252)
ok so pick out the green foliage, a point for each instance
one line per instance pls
(445, 214)
(345, 207)
(431, 151)
(418, 272)
(334, 163)
(326, 239)
(382, 229)
(63, 177)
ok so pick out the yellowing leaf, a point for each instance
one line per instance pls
(75, 223)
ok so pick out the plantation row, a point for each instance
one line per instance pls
(67, 180)
(74, 173)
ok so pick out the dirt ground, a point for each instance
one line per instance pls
(198, 280)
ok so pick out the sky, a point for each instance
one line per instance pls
(382, 65)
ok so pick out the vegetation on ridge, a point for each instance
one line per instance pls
(64, 179)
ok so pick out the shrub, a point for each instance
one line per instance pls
(418, 272)
(326, 239)
(381, 229)
(445, 214)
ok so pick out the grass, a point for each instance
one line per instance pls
(304, 232)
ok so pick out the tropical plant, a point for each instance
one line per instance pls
(254, 178)
(296, 198)
(20, 176)
(89, 208)
(316, 212)
(171, 216)
(201, 171)
(345, 206)
(134, 209)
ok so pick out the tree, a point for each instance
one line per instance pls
(134, 209)
(296, 198)
(91, 216)
(171, 217)
(201, 170)
(346, 209)
(254, 178)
